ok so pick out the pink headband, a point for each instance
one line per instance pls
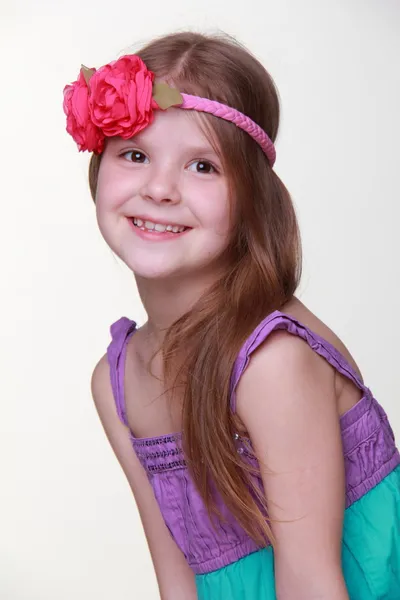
(119, 98)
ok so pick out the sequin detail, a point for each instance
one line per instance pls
(243, 445)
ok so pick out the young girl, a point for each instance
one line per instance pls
(262, 465)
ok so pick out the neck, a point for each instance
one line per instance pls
(165, 301)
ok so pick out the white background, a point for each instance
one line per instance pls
(68, 524)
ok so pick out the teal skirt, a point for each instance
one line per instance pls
(370, 554)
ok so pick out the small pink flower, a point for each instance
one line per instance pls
(120, 97)
(79, 123)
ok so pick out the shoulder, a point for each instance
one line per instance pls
(102, 392)
(284, 384)
(103, 396)
(285, 360)
(100, 380)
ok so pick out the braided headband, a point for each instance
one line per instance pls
(119, 98)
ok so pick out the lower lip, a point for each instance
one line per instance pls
(156, 236)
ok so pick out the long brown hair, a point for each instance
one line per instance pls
(264, 257)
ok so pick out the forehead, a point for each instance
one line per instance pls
(173, 127)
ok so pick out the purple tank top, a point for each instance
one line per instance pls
(369, 451)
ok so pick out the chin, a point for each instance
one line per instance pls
(154, 272)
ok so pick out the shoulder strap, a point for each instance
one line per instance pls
(120, 331)
(278, 320)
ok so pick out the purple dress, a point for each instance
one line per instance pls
(226, 562)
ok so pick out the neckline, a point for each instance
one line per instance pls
(330, 348)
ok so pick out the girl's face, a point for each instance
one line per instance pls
(166, 179)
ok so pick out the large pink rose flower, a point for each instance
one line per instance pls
(120, 98)
(79, 122)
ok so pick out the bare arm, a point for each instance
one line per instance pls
(174, 576)
(287, 402)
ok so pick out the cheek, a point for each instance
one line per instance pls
(108, 198)
(216, 215)
(102, 185)
(112, 189)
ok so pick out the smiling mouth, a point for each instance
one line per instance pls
(152, 227)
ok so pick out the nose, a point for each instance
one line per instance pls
(161, 186)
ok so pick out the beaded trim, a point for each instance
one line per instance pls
(162, 454)
(168, 439)
(176, 464)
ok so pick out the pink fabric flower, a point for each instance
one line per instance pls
(120, 98)
(79, 123)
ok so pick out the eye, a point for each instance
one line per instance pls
(137, 156)
(203, 166)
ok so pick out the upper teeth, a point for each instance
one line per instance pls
(157, 226)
